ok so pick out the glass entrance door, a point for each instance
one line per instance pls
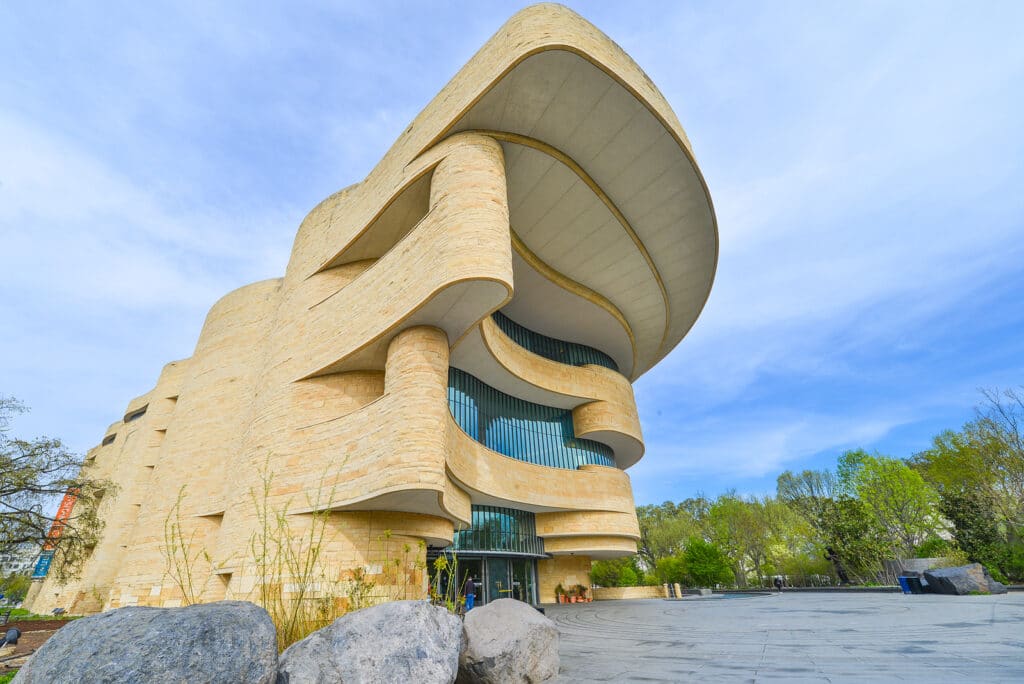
(495, 577)
(522, 579)
(498, 581)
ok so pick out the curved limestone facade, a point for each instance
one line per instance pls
(448, 359)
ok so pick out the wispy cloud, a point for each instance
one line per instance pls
(864, 162)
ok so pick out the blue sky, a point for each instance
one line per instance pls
(864, 159)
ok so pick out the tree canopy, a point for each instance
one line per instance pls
(34, 475)
(961, 499)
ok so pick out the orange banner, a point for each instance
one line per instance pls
(61, 519)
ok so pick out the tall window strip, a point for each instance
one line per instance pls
(500, 529)
(569, 353)
(520, 429)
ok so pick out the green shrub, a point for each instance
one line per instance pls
(934, 547)
(628, 577)
(706, 565)
(672, 570)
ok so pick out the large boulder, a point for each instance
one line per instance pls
(402, 641)
(229, 642)
(508, 641)
(962, 580)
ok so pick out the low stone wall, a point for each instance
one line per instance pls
(616, 593)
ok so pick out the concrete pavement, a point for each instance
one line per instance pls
(798, 637)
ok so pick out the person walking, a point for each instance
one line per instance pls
(470, 592)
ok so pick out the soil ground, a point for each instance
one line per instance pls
(33, 634)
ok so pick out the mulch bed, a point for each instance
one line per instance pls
(34, 634)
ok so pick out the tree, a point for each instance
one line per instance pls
(617, 572)
(706, 565)
(978, 472)
(809, 492)
(903, 505)
(844, 527)
(33, 475)
(1000, 426)
(743, 531)
(672, 570)
(14, 587)
(853, 536)
(664, 529)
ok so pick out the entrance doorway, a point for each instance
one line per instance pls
(496, 576)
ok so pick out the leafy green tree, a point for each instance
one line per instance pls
(903, 505)
(14, 587)
(1000, 426)
(706, 565)
(857, 542)
(978, 472)
(616, 572)
(743, 530)
(628, 577)
(34, 474)
(974, 525)
(672, 570)
(985, 457)
(664, 529)
(809, 493)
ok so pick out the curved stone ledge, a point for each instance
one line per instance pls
(602, 400)
(494, 479)
(610, 424)
(587, 523)
(593, 546)
(453, 269)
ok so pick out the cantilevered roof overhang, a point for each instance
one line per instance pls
(614, 237)
(603, 188)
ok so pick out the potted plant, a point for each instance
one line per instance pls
(559, 594)
(581, 591)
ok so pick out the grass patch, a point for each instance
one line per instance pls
(22, 615)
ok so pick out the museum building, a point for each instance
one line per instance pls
(447, 362)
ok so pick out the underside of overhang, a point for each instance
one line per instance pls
(602, 191)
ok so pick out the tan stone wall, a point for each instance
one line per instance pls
(627, 593)
(565, 570)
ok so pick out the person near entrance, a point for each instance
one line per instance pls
(470, 592)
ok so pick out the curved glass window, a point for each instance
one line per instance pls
(521, 429)
(500, 529)
(569, 353)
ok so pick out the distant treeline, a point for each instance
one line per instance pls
(962, 499)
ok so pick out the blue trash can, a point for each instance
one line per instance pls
(904, 584)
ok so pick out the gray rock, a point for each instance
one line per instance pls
(508, 641)
(229, 641)
(402, 641)
(962, 580)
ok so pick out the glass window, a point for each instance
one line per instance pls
(520, 429)
(500, 529)
(569, 353)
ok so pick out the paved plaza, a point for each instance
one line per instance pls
(795, 637)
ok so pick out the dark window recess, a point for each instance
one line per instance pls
(135, 415)
(569, 353)
(520, 429)
(109, 439)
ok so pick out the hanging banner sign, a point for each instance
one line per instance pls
(43, 565)
(60, 521)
